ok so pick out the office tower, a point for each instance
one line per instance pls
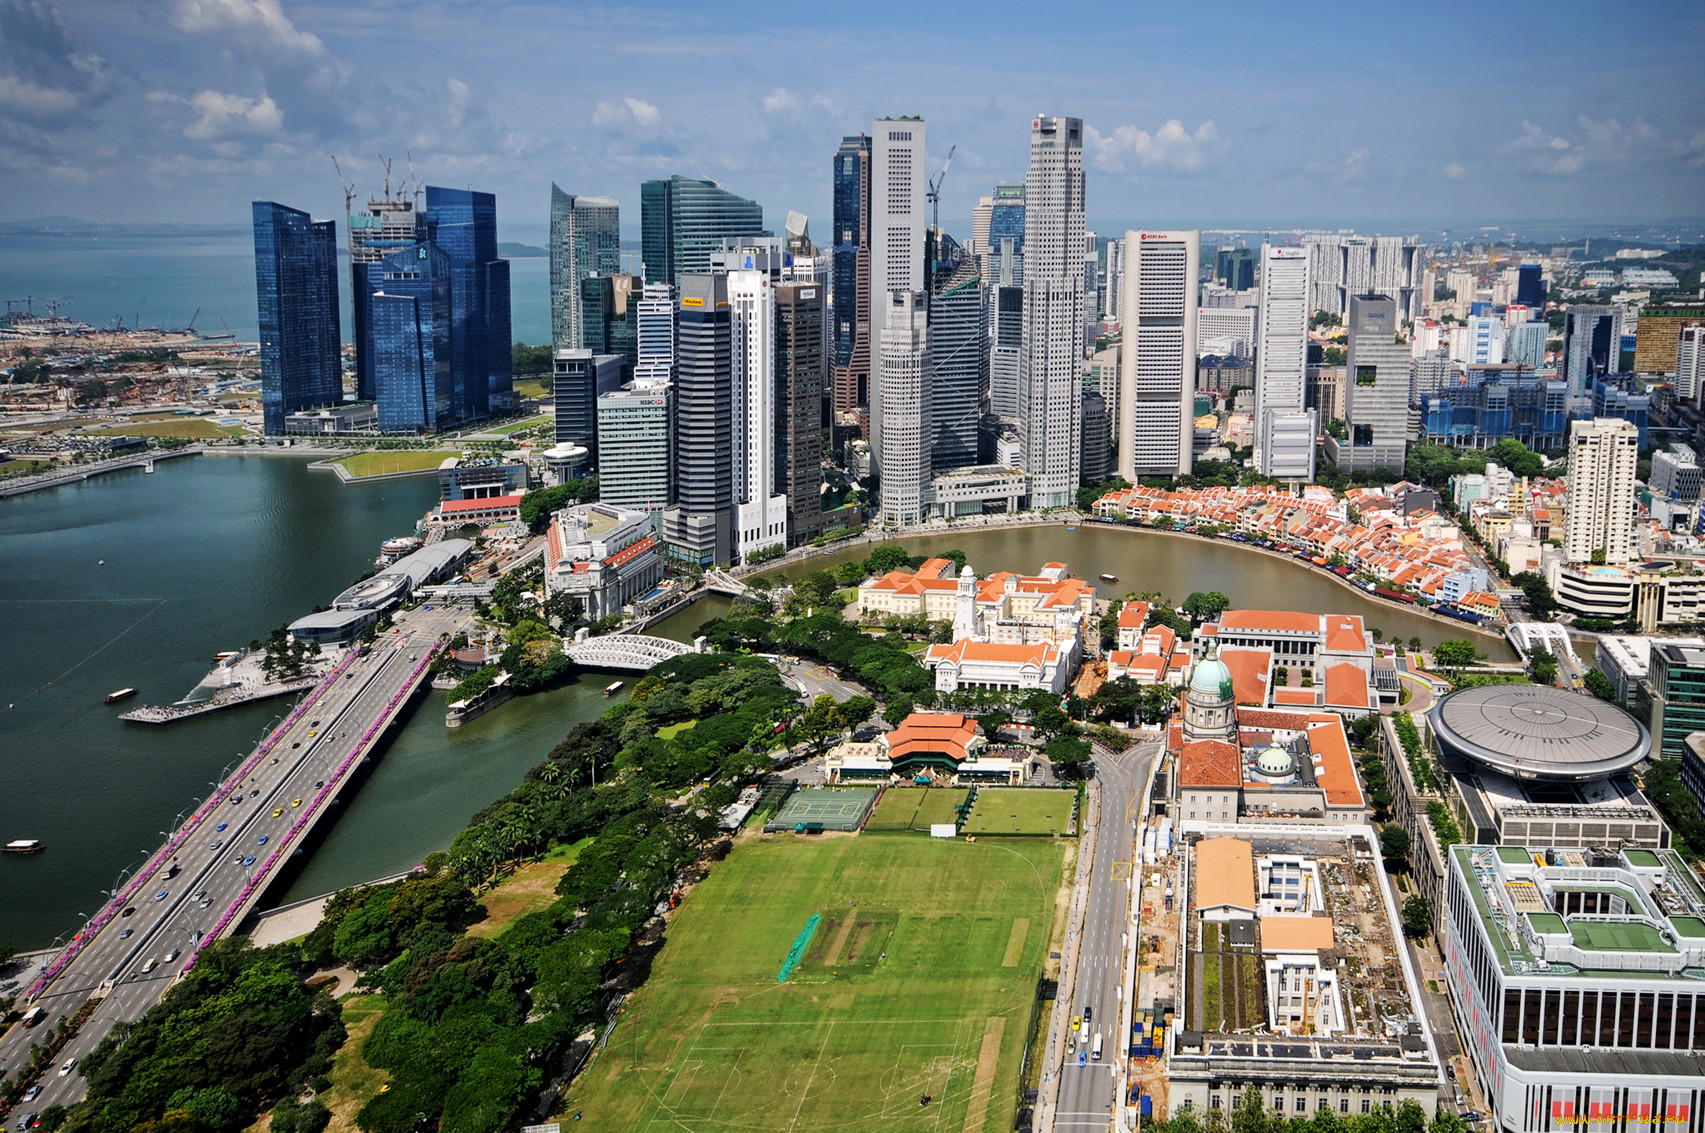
(801, 320)
(390, 224)
(897, 222)
(956, 364)
(1376, 389)
(410, 329)
(760, 509)
(1345, 265)
(1235, 268)
(1430, 372)
(300, 332)
(1482, 341)
(1676, 473)
(851, 381)
(1690, 365)
(904, 381)
(1050, 362)
(1006, 342)
(1592, 346)
(1114, 306)
(585, 240)
(1157, 382)
(481, 360)
(1600, 516)
(1324, 267)
(635, 447)
(1097, 442)
(1526, 344)
(1226, 330)
(1285, 426)
(982, 215)
(609, 320)
(578, 379)
(656, 335)
(1530, 287)
(682, 221)
(1006, 235)
(699, 527)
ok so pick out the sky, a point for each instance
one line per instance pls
(1383, 117)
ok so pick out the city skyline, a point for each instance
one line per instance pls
(186, 118)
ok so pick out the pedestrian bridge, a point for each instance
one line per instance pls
(626, 652)
(721, 582)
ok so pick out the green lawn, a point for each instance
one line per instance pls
(913, 808)
(516, 426)
(670, 731)
(189, 428)
(1019, 810)
(530, 387)
(384, 463)
(903, 990)
(354, 1083)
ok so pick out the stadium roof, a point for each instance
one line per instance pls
(1537, 732)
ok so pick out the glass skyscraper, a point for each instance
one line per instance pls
(410, 321)
(682, 221)
(391, 224)
(851, 201)
(300, 329)
(465, 229)
(585, 241)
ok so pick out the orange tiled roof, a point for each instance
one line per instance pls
(1346, 686)
(1249, 668)
(1336, 771)
(1344, 633)
(1210, 763)
(1257, 620)
(1296, 934)
(967, 650)
(931, 732)
(1225, 873)
(1132, 615)
(451, 507)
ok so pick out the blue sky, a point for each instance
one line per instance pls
(1213, 115)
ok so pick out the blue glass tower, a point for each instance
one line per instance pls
(409, 332)
(300, 328)
(849, 233)
(1530, 286)
(1006, 221)
(465, 229)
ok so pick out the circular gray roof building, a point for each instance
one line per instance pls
(1539, 732)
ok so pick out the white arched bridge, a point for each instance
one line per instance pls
(626, 652)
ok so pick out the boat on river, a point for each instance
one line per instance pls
(612, 688)
(1109, 578)
(23, 846)
(121, 694)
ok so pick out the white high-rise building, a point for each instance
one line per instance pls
(898, 219)
(585, 241)
(1376, 388)
(760, 511)
(1157, 383)
(1050, 360)
(1690, 364)
(1285, 426)
(1603, 453)
(907, 442)
(656, 336)
(980, 217)
(1225, 330)
(1115, 280)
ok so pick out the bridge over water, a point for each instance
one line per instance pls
(624, 652)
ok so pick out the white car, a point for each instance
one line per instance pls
(70, 1065)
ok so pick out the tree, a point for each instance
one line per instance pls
(1543, 665)
(1599, 685)
(857, 710)
(1417, 916)
(1394, 846)
(1205, 607)
(1455, 653)
(1068, 754)
(538, 507)
(1414, 644)
(564, 609)
(1540, 600)
(899, 707)
(1157, 703)
(1052, 720)
(888, 557)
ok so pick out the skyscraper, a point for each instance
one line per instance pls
(1097, 439)
(1114, 307)
(300, 331)
(1050, 372)
(760, 510)
(1006, 344)
(1530, 287)
(585, 240)
(635, 449)
(464, 225)
(609, 316)
(656, 335)
(1603, 453)
(851, 227)
(1285, 427)
(1006, 235)
(408, 335)
(698, 528)
(1592, 345)
(1235, 267)
(956, 363)
(1376, 388)
(578, 379)
(682, 221)
(391, 224)
(1157, 384)
(907, 431)
(897, 223)
(800, 325)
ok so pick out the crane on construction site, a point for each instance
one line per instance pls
(934, 191)
(348, 186)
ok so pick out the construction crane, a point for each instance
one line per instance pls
(348, 186)
(934, 192)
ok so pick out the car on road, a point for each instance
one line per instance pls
(216, 843)
(33, 1092)
(297, 744)
(28, 1121)
(1088, 1014)
(220, 829)
(254, 793)
(235, 799)
(172, 955)
(202, 896)
(1083, 1058)
(125, 935)
(311, 735)
(278, 812)
(298, 802)
(1077, 1021)
(128, 911)
(161, 895)
(319, 784)
(249, 861)
(207, 902)
(261, 841)
(150, 965)
(70, 1065)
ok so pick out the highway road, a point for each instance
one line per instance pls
(1088, 1093)
(134, 956)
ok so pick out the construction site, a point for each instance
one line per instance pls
(1272, 956)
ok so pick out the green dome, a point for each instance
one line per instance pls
(1212, 677)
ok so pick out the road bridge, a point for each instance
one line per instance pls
(623, 652)
(74, 472)
(721, 582)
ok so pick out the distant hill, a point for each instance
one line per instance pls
(512, 251)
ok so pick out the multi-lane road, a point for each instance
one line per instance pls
(1088, 1093)
(231, 850)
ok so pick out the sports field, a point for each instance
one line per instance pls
(186, 428)
(384, 463)
(914, 808)
(919, 979)
(826, 808)
(1021, 811)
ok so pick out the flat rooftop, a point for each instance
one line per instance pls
(1536, 732)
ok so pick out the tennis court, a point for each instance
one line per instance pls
(823, 808)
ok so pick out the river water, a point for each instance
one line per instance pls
(211, 551)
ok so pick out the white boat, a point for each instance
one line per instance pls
(1109, 578)
(121, 694)
(23, 846)
(612, 688)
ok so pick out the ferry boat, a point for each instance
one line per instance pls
(23, 846)
(121, 694)
(1109, 578)
(612, 688)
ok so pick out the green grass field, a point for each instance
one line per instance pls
(517, 426)
(905, 989)
(189, 428)
(910, 808)
(384, 463)
(1021, 811)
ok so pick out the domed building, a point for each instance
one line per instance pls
(1210, 703)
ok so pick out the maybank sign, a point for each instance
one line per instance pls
(691, 301)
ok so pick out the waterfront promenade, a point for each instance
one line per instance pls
(214, 869)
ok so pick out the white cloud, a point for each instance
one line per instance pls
(222, 116)
(784, 103)
(1456, 171)
(1596, 145)
(257, 22)
(43, 81)
(1170, 148)
(626, 113)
